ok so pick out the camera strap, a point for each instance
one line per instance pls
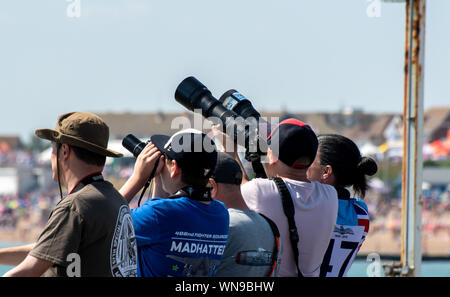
(195, 193)
(58, 147)
(258, 169)
(87, 180)
(147, 184)
(288, 208)
(276, 248)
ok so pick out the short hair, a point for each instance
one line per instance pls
(190, 178)
(86, 156)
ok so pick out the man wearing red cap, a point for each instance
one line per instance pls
(292, 149)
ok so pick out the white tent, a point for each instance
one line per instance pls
(116, 145)
(369, 149)
(45, 156)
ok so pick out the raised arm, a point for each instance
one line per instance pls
(143, 167)
(230, 147)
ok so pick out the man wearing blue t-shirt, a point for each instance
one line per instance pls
(184, 231)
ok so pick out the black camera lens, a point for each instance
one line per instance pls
(189, 91)
(193, 95)
(133, 144)
(235, 101)
(238, 119)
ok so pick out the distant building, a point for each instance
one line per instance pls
(436, 176)
(141, 124)
(436, 123)
(9, 143)
(359, 126)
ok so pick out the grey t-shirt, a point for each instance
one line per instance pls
(249, 248)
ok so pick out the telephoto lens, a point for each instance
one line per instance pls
(258, 128)
(235, 101)
(242, 128)
(193, 95)
(133, 144)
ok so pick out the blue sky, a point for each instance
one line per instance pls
(297, 55)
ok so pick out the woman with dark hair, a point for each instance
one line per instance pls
(339, 163)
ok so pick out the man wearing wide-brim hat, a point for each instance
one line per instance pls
(90, 231)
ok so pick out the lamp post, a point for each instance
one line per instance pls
(412, 164)
(411, 253)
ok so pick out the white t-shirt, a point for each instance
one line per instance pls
(316, 207)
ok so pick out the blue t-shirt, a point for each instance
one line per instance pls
(180, 237)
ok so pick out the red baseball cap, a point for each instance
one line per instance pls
(293, 139)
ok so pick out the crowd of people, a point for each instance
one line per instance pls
(385, 214)
(18, 157)
(206, 217)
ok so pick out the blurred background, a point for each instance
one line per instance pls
(337, 65)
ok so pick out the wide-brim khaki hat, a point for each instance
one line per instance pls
(81, 129)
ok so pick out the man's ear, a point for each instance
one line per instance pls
(213, 185)
(174, 169)
(272, 158)
(65, 151)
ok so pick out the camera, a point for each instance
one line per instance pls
(133, 144)
(193, 95)
(236, 115)
(235, 101)
(242, 128)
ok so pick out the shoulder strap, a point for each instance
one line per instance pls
(288, 208)
(276, 248)
(147, 184)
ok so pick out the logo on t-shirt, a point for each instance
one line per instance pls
(195, 266)
(342, 231)
(123, 246)
(198, 254)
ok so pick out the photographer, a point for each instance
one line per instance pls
(253, 248)
(91, 224)
(305, 212)
(315, 205)
(339, 163)
(182, 231)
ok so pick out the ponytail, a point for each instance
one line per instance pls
(366, 166)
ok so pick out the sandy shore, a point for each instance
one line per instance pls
(388, 243)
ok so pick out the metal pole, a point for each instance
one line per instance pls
(411, 253)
